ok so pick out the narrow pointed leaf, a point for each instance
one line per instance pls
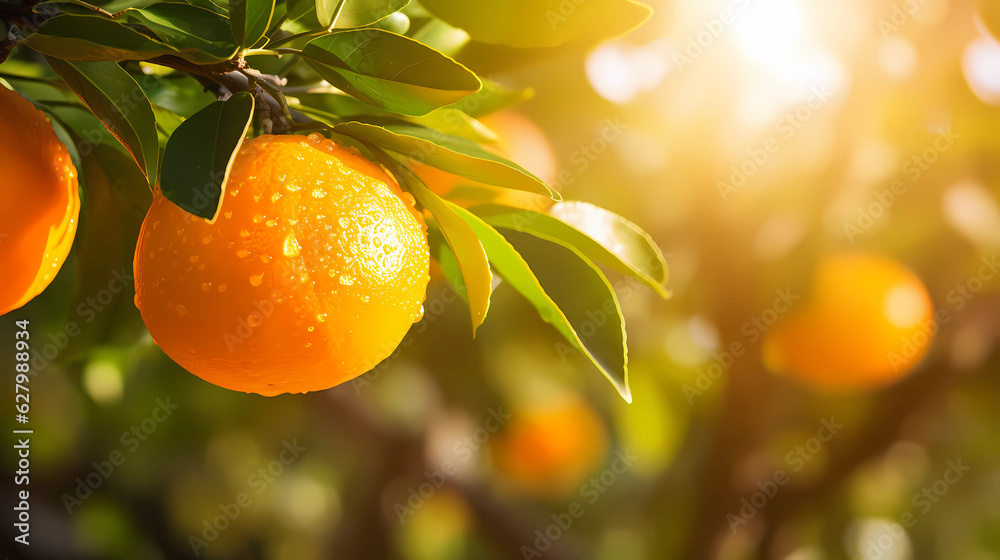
(568, 292)
(389, 71)
(250, 20)
(200, 153)
(91, 38)
(326, 10)
(446, 259)
(491, 98)
(115, 98)
(600, 235)
(449, 153)
(471, 256)
(198, 34)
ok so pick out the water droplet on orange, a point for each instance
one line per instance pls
(181, 310)
(255, 279)
(291, 246)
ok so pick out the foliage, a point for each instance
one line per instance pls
(369, 73)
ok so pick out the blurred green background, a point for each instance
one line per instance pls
(508, 446)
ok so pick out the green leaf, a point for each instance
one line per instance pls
(179, 93)
(327, 11)
(598, 234)
(389, 71)
(197, 34)
(298, 8)
(446, 119)
(220, 7)
(471, 256)
(115, 98)
(110, 222)
(568, 292)
(250, 20)
(541, 23)
(200, 154)
(491, 98)
(449, 153)
(359, 13)
(90, 38)
(456, 123)
(446, 259)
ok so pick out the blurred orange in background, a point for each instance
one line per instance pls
(868, 323)
(548, 449)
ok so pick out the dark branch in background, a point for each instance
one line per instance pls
(20, 14)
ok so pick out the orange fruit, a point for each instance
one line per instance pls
(548, 450)
(520, 141)
(869, 322)
(38, 185)
(312, 273)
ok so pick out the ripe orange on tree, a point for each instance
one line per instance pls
(38, 184)
(868, 324)
(313, 271)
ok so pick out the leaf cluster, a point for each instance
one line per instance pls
(178, 85)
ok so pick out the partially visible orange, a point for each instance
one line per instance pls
(314, 270)
(549, 450)
(869, 322)
(520, 141)
(41, 201)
